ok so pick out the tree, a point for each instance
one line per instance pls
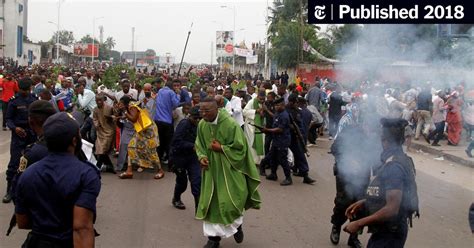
(65, 37)
(88, 39)
(287, 30)
(110, 43)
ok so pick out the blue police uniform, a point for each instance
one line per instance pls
(301, 164)
(390, 176)
(184, 160)
(278, 154)
(17, 116)
(48, 190)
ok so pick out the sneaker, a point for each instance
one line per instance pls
(353, 241)
(239, 235)
(335, 234)
(178, 204)
(272, 177)
(287, 182)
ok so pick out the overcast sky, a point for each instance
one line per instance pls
(160, 25)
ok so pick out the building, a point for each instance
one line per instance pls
(139, 58)
(13, 33)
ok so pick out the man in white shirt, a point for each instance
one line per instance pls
(235, 105)
(86, 104)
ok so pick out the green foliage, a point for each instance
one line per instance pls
(112, 75)
(65, 37)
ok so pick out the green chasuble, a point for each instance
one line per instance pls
(229, 185)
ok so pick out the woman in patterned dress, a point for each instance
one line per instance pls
(142, 146)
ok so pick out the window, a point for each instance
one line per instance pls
(19, 41)
(20, 8)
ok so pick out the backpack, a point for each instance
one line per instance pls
(410, 194)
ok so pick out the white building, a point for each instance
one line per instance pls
(13, 29)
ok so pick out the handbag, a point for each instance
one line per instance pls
(143, 121)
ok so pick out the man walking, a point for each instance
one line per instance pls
(229, 178)
(166, 101)
(423, 105)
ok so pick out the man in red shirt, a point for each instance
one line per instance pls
(10, 88)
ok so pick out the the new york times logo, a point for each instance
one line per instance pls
(390, 11)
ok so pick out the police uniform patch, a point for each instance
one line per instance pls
(23, 164)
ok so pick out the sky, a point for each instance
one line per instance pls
(159, 24)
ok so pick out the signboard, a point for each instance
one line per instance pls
(224, 43)
(85, 50)
(243, 52)
(252, 59)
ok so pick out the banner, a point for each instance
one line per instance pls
(253, 59)
(85, 50)
(224, 43)
(243, 52)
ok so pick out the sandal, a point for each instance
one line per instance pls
(125, 175)
(159, 175)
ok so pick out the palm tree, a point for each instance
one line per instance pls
(110, 43)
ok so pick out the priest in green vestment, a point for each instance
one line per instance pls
(254, 116)
(229, 177)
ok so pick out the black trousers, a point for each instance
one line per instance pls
(313, 133)
(184, 170)
(104, 159)
(438, 133)
(17, 145)
(165, 133)
(346, 194)
(277, 156)
(4, 113)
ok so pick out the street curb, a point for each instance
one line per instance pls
(447, 156)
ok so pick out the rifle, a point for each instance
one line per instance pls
(299, 136)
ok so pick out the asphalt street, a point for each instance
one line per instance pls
(138, 212)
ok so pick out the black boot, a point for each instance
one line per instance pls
(272, 177)
(212, 242)
(353, 241)
(177, 203)
(7, 198)
(335, 234)
(308, 180)
(239, 235)
(287, 181)
(262, 170)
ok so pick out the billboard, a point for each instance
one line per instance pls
(85, 49)
(224, 43)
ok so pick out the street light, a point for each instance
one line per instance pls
(233, 54)
(93, 38)
(57, 40)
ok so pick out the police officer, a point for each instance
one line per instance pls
(22, 135)
(56, 197)
(386, 203)
(352, 171)
(184, 159)
(297, 145)
(38, 112)
(281, 139)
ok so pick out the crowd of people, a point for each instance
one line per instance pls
(218, 133)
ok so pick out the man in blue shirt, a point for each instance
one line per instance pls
(56, 197)
(167, 100)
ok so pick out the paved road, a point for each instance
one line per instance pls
(138, 213)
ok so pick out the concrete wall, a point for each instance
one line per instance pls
(35, 54)
(12, 18)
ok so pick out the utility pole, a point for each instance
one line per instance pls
(57, 32)
(212, 53)
(133, 45)
(265, 65)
